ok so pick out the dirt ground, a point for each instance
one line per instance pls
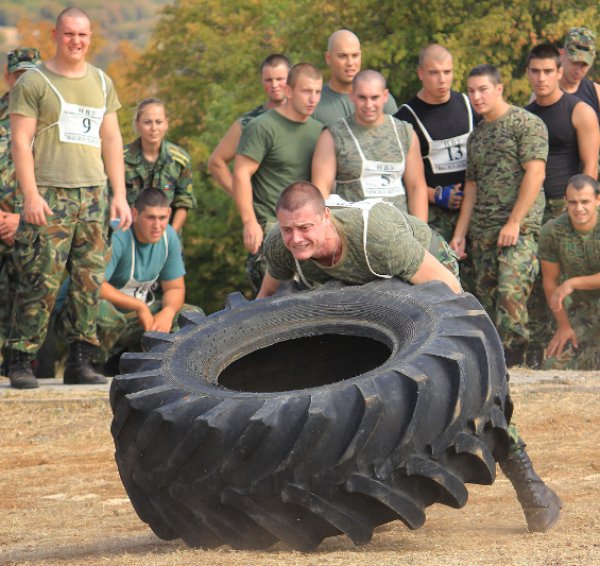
(62, 502)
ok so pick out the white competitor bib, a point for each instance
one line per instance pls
(448, 155)
(380, 178)
(77, 123)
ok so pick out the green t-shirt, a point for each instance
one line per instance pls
(396, 244)
(496, 152)
(152, 261)
(334, 106)
(378, 143)
(284, 150)
(60, 164)
(577, 253)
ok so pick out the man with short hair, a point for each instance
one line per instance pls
(370, 240)
(574, 144)
(570, 257)
(502, 207)
(18, 62)
(67, 108)
(442, 119)
(275, 150)
(573, 131)
(343, 57)
(370, 154)
(353, 243)
(274, 71)
(577, 58)
(142, 258)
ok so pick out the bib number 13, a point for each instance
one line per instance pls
(455, 152)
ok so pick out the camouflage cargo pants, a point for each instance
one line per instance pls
(541, 321)
(503, 281)
(8, 284)
(73, 240)
(443, 222)
(121, 331)
(584, 319)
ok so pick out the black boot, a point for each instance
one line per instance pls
(20, 371)
(540, 504)
(79, 369)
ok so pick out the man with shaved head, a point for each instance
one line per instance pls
(442, 119)
(65, 142)
(371, 154)
(343, 57)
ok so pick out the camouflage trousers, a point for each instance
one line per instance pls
(443, 222)
(121, 331)
(583, 316)
(8, 284)
(74, 240)
(503, 281)
(441, 250)
(541, 321)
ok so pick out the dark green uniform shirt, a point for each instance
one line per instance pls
(171, 173)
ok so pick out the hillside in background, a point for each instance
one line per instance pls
(117, 20)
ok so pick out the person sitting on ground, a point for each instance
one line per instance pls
(153, 162)
(355, 243)
(364, 241)
(570, 257)
(142, 258)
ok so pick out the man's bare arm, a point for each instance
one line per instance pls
(268, 287)
(172, 300)
(414, 181)
(459, 238)
(432, 270)
(243, 170)
(324, 163)
(586, 125)
(112, 155)
(223, 154)
(531, 185)
(35, 208)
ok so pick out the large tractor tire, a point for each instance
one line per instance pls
(309, 415)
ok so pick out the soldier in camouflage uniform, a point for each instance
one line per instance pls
(371, 154)
(153, 162)
(503, 207)
(353, 242)
(67, 107)
(570, 257)
(274, 71)
(18, 61)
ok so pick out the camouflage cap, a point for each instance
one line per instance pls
(23, 58)
(580, 45)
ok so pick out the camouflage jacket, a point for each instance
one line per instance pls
(171, 172)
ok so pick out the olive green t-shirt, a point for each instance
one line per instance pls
(61, 164)
(378, 143)
(334, 106)
(284, 150)
(496, 153)
(578, 253)
(396, 245)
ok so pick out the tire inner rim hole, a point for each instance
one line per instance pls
(301, 363)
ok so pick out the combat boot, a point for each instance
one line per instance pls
(540, 504)
(20, 371)
(79, 368)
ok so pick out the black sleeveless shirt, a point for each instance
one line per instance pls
(563, 156)
(587, 92)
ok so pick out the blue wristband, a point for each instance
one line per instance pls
(443, 194)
